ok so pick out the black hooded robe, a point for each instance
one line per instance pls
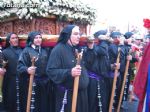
(10, 54)
(61, 61)
(97, 61)
(42, 88)
(130, 70)
(113, 53)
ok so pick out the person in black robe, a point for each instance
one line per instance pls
(2, 72)
(118, 43)
(10, 86)
(41, 90)
(128, 50)
(97, 62)
(62, 69)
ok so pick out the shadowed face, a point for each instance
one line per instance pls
(116, 39)
(37, 40)
(75, 35)
(14, 40)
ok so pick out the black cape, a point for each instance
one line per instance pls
(43, 87)
(61, 61)
(97, 61)
(9, 89)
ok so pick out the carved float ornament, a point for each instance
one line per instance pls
(22, 26)
(5, 28)
(49, 27)
(45, 26)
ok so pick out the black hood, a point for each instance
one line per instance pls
(31, 37)
(65, 34)
(8, 39)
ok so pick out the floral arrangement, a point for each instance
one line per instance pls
(146, 23)
(62, 9)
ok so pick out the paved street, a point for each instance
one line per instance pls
(132, 106)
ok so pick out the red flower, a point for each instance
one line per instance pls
(146, 23)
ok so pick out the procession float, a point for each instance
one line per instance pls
(47, 16)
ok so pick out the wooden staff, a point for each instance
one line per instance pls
(30, 87)
(114, 82)
(4, 63)
(123, 85)
(76, 84)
